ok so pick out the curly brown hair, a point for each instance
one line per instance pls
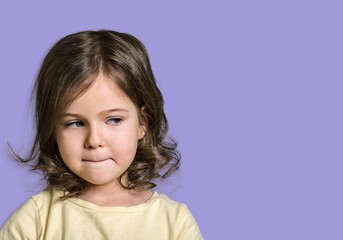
(68, 70)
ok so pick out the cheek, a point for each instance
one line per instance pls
(125, 144)
(67, 147)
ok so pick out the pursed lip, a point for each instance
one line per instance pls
(95, 160)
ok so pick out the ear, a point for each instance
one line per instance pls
(142, 123)
(141, 132)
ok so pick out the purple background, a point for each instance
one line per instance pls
(253, 93)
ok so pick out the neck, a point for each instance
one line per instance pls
(114, 195)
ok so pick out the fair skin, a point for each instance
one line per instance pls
(97, 137)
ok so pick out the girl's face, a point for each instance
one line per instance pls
(97, 135)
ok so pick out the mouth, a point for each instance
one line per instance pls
(96, 160)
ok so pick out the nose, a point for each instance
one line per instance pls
(94, 138)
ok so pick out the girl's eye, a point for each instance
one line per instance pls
(114, 121)
(75, 124)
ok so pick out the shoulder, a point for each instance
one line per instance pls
(164, 202)
(168, 205)
(48, 195)
(179, 214)
(25, 222)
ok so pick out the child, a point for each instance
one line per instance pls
(101, 141)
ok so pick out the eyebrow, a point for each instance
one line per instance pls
(102, 112)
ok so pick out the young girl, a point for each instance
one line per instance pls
(101, 141)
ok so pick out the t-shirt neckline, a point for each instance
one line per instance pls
(92, 206)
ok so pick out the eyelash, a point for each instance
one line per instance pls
(74, 124)
(114, 121)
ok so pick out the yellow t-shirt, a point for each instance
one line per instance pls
(45, 216)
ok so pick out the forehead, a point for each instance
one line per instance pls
(102, 94)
